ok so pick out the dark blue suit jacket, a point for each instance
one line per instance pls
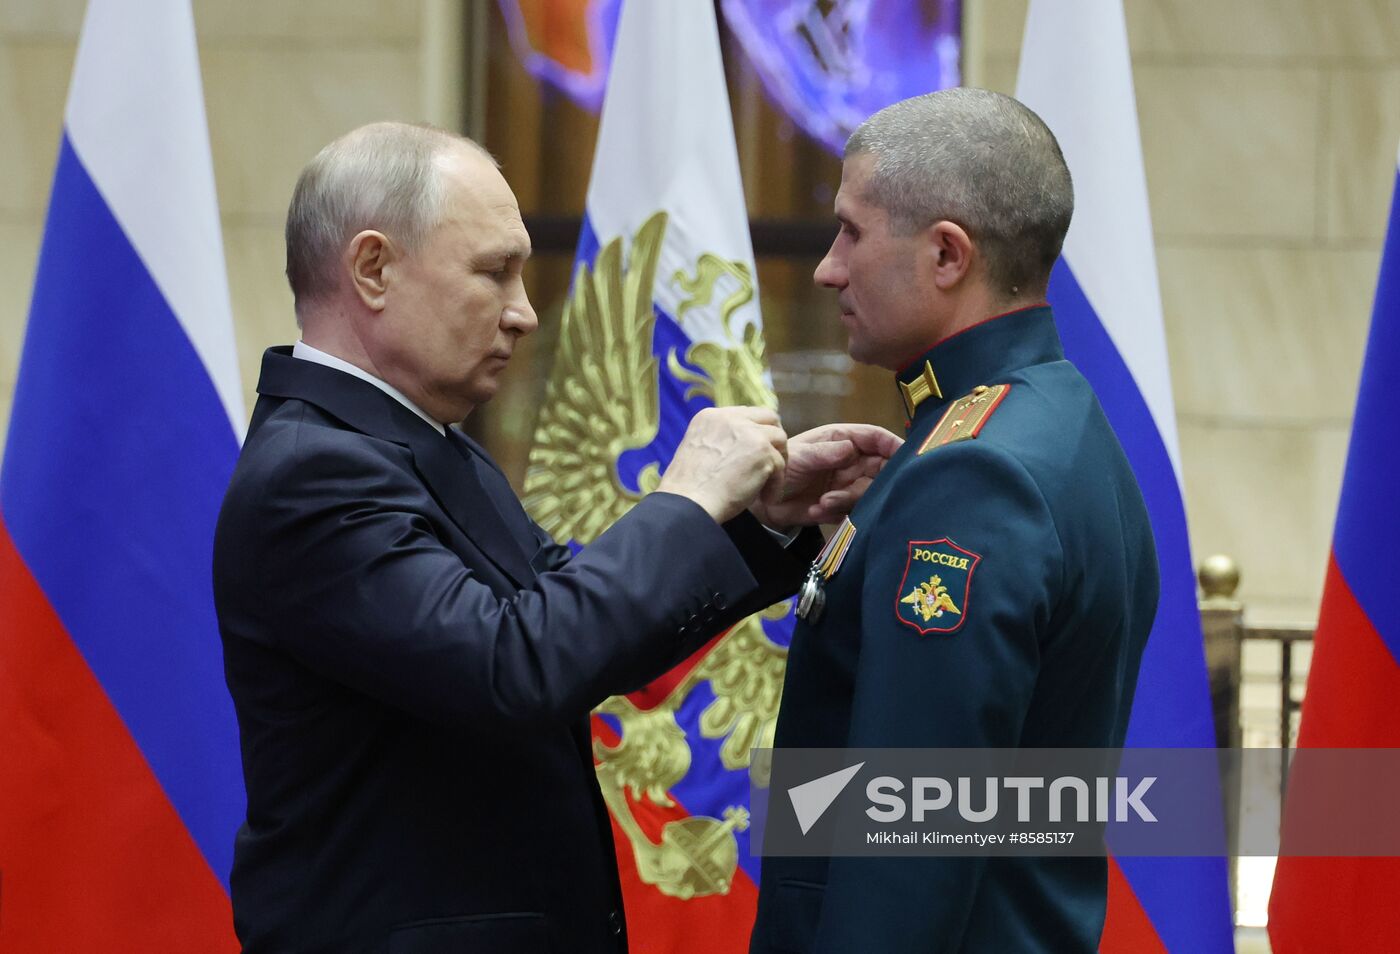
(413, 661)
(1038, 533)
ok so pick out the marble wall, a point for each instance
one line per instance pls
(1269, 134)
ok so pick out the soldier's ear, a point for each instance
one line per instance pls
(949, 249)
(368, 258)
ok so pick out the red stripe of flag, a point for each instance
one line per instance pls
(1127, 928)
(92, 855)
(1352, 701)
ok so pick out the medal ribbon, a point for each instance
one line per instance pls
(834, 553)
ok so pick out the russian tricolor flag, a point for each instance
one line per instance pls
(1353, 695)
(1076, 73)
(120, 790)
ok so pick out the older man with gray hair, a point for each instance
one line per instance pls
(998, 581)
(411, 658)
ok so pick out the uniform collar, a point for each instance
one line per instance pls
(978, 355)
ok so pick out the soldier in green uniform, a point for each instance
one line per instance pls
(996, 585)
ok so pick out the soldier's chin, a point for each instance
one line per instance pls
(860, 351)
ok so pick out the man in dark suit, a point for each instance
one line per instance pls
(413, 660)
(997, 584)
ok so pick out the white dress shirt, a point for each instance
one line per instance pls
(305, 352)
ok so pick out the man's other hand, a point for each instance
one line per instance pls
(727, 456)
(828, 469)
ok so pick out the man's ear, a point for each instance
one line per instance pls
(949, 249)
(369, 257)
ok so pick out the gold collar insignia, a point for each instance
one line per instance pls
(922, 387)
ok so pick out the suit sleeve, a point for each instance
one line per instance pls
(341, 568)
(778, 569)
(958, 674)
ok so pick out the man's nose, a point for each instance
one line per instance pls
(520, 317)
(831, 272)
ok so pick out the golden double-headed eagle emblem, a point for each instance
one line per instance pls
(603, 400)
(931, 599)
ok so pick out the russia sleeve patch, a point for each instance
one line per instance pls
(937, 582)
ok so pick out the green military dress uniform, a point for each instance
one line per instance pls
(997, 590)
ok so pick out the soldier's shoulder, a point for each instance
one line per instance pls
(966, 417)
(1029, 411)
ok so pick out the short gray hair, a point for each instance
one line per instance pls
(982, 160)
(381, 176)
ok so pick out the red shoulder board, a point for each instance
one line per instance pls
(965, 417)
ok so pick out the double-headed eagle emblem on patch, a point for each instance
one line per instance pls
(933, 595)
(603, 401)
(930, 599)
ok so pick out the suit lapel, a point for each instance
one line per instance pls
(456, 482)
(452, 478)
(498, 490)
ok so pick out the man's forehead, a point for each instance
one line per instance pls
(510, 241)
(480, 195)
(504, 237)
(470, 178)
(855, 173)
(506, 213)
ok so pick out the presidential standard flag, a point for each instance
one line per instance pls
(1349, 904)
(120, 790)
(1075, 73)
(830, 66)
(662, 321)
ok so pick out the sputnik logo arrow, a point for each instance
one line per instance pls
(810, 800)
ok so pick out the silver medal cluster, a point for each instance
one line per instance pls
(811, 599)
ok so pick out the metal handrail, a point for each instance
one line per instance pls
(1286, 637)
